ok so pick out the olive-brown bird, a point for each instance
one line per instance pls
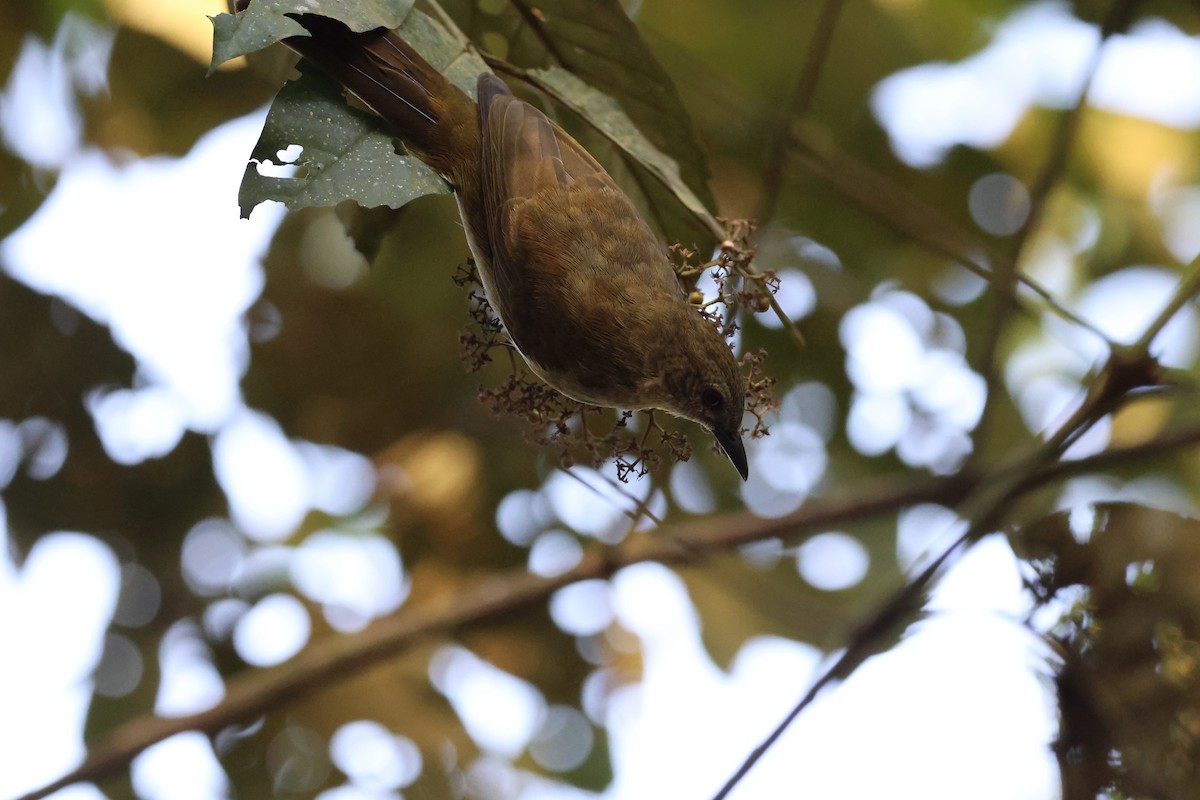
(582, 285)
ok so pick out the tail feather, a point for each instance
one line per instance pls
(423, 107)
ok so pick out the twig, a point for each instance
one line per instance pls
(905, 602)
(533, 23)
(806, 87)
(737, 254)
(1118, 456)
(640, 508)
(257, 692)
(1007, 272)
(1064, 137)
(911, 217)
(449, 24)
(1188, 288)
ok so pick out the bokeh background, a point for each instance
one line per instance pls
(226, 444)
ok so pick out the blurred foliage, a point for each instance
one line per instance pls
(1129, 644)
(165, 109)
(354, 343)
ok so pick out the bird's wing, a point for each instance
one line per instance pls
(527, 162)
(516, 135)
(569, 252)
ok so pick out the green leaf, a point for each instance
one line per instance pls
(598, 42)
(1123, 579)
(265, 22)
(347, 154)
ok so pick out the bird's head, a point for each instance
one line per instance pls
(701, 381)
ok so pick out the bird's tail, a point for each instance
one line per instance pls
(432, 115)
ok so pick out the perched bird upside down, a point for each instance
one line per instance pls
(582, 285)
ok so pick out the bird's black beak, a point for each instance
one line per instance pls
(731, 443)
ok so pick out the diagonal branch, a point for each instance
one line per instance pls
(806, 87)
(911, 217)
(681, 544)
(534, 22)
(1004, 294)
(1187, 290)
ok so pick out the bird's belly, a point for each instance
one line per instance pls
(611, 397)
(562, 380)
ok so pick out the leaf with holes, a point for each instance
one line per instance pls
(344, 154)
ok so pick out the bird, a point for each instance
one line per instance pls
(581, 284)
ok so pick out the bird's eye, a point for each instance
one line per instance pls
(711, 398)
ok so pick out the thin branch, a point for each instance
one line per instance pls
(789, 325)
(640, 508)
(343, 656)
(904, 604)
(806, 87)
(1064, 136)
(910, 216)
(535, 25)
(1060, 149)
(253, 694)
(1116, 457)
(1007, 272)
(449, 24)
(1188, 288)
